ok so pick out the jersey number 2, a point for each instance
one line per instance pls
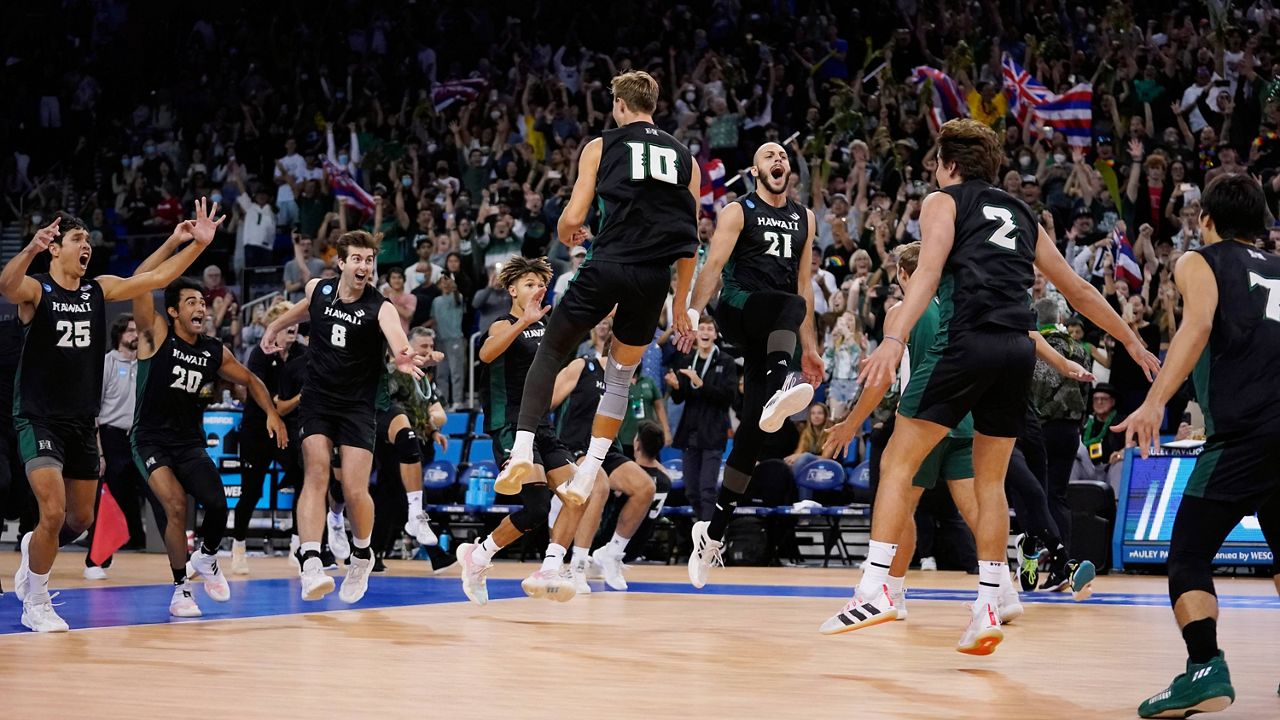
(1272, 312)
(73, 334)
(653, 161)
(779, 244)
(338, 338)
(1004, 235)
(184, 380)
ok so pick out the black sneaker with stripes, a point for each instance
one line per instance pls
(861, 612)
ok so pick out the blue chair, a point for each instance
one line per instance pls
(439, 475)
(825, 475)
(859, 481)
(675, 470)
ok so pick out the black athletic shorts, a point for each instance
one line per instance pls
(984, 372)
(612, 460)
(67, 443)
(347, 427)
(190, 464)
(639, 291)
(1240, 467)
(549, 450)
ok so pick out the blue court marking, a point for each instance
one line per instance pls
(149, 604)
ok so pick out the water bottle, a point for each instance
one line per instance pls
(445, 541)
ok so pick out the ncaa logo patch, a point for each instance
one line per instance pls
(46, 287)
(749, 203)
(327, 290)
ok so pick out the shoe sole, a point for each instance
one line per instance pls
(1082, 581)
(984, 644)
(575, 495)
(1213, 704)
(27, 624)
(791, 402)
(512, 477)
(197, 614)
(464, 550)
(320, 590)
(887, 616)
(559, 593)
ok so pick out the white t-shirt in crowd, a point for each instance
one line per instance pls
(296, 166)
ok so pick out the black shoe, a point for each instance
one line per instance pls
(1059, 577)
(378, 565)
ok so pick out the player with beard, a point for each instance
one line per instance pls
(350, 324)
(762, 247)
(176, 360)
(58, 388)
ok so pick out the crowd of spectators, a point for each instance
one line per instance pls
(463, 122)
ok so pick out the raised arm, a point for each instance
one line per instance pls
(569, 228)
(406, 361)
(203, 229)
(15, 285)
(233, 371)
(723, 241)
(1199, 289)
(683, 324)
(292, 316)
(811, 357)
(504, 332)
(838, 436)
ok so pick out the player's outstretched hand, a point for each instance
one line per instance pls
(815, 370)
(206, 222)
(575, 238)
(1149, 363)
(882, 366)
(1076, 371)
(409, 363)
(685, 321)
(535, 310)
(1142, 428)
(268, 342)
(277, 431)
(836, 439)
(45, 235)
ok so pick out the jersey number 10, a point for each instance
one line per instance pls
(655, 162)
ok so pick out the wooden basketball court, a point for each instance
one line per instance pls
(747, 646)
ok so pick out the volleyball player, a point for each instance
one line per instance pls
(508, 350)
(762, 247)
(350, 323)
(1230, 339)
(979, 248)
(58, 389)
(577, 393)
(649, 186)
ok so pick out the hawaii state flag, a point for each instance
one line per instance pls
(1069, 114)
(1125, 261)
(452, 91)
(713, 188)
(347, 190)
(947, 103)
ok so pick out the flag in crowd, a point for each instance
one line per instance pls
(1069, 114)
(713, 187)
(451, 91)
(947, 103)
(346, 189)
(1125, 260)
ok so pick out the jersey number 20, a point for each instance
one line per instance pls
(653, 161)
(186, 380)
(1004, 235)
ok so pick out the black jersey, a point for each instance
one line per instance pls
(991, 266)
(643, 183)
(60, 373)
(168, 409)
(767, 254)
(576, 415)
(347, 348)
(1235, 376)
(507, 373)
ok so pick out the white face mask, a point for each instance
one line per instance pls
(695, 148)
(1059, 158)
(690, 97)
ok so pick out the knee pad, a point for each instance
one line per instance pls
(1188, 573)
(408, 451)
(791, 315)
(537, 503)
(617, 385)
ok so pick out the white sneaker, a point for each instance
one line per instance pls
(983, 634)
(578, 490)
(1010, 605)
(474, 575)
(338, 543)
(861, 613)
(215, 583)
(549, 584)
(900, 602)
(928, 564)
(578, 571)
(794, 397)
(612, 568)
(95, 573)
(705, 555)
(419, 526)
(183, 604)
(357, 582)
(22, 578)
(239, 559)
(38, 615)
(315, 584)
(511, 477)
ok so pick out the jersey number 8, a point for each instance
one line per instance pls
(338, 338)
(73, 334)
(653, 161)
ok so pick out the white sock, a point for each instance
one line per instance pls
(313, 562)
(415, 502)
(989, 583)
(522, 448)
(895, 584)
(238, 545)
(581, 554)
(618, 545)
(361, 542)
(39, 585)
(599, 447)
(1006, 581)
(590, 466)
(879, 558)
(485, 550)
(554, 558)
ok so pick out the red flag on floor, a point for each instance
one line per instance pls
(111, 531)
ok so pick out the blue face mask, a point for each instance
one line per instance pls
(216, 197)
(343, 159)
(407, 182)
(149, 149)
